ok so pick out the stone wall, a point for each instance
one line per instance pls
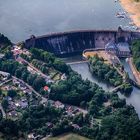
(69, 43)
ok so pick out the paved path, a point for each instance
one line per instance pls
(34, 68)
(116, 88)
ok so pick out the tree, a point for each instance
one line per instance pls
(8, 55)
(0, 92)
(1, 115)
(78, 119)
(9, 128)
(121, 124)
(24, 75)
(83, 104)
(38, 83)
(5, 104)
(12, 93)
(30, 79)
(61, 66)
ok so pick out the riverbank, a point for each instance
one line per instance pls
(134, 70)
(133, 8)
(133, 99)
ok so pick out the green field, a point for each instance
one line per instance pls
(70, 136)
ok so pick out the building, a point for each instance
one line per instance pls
(120, 49)
(111, 48)
(123, 50)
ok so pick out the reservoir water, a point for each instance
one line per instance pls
(21, 18)
(133, 99)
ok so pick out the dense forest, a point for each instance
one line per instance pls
(5, 44)
(136, 53)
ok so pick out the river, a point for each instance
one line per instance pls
(21, 18)
(133, 99)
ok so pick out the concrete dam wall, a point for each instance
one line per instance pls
(75, 42)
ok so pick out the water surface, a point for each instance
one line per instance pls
(134, 98)
(21, 18)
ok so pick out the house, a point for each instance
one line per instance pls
(20, 60)
(49, 124)
(63, 77)
(13, 114)
(58, 104)
(15, 82)
(22, 86)
(5, 74)
(17, 104)
(24, 104)
(46, 88)
(76, 126)
(9, 98)
(31, 136)
(27, 91)
(111, 48)
(123, 50)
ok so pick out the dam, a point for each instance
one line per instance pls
(75, 42)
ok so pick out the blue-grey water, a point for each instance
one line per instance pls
(21, 18)
(133, 99)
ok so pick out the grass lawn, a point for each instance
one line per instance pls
(52, 72)
(56, 77)
(70, 136)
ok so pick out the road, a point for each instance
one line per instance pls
(43, 99)
(79, 62)
(34, 68)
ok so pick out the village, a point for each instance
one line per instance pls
(20, 96)
(17, 96)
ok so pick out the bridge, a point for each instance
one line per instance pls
(116, 88)
(77, 62)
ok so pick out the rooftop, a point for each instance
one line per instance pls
(123, 47)
(111, 46)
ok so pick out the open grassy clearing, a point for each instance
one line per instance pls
(70, 136)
